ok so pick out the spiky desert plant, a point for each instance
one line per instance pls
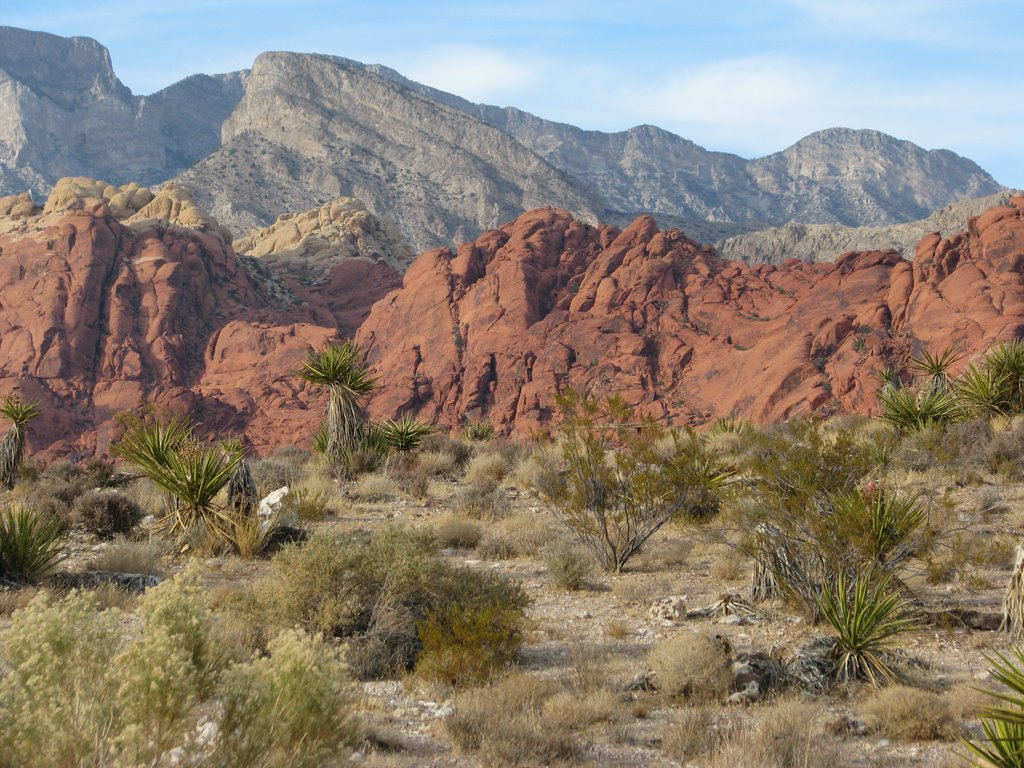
(729, 425)
(880, 525)
(1005, 361)
(194, 476)
(935, 368)
(242, 494)
(152, 444)
(30, 544)
(405, 433)
(910, 411)
(1002, 741)
(866, 616)
(12, 447)
(340, 370)
(479, 431)
(983, 391)
(321, 439)
(890, 378)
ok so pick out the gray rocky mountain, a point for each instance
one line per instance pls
(63, 112)
(301, 129)
(824, 242)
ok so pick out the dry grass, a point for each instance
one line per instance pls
(505, 724)
(375, 486)
(487, 469)
(910, 714)
(12, 600)
(695, 733)
(692, 666)
(145, 557)
(459, 533)
(521, 534)
(786, 737)
(618, 629)
(569, 565)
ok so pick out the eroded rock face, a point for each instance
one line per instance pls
(547, 302)
(100, 317)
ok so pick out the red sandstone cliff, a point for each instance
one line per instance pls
(546, 302)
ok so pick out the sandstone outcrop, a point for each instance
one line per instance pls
(546, 302)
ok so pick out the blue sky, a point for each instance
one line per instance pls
(745, 77)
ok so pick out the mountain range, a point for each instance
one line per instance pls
(298, 130)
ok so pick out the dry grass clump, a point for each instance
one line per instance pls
(375, 486)
(506, 724)
(575, 711)
(787, 737)
(312, 497)
(910, 714)
(692, 666)
(145, 557)
(695, 733)
(521, 534)
(667, 553)
(528, 471)
(569, 565)
(459, 533)
(487, 469)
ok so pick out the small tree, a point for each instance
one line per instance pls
(339, 368)
(615, 488)
(12, 447)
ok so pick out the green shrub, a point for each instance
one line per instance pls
(106, 513)
(615, 487)
(292, 707)
(30, 545)
(375, 591)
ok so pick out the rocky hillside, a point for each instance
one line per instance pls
(114, 297)
(825, 242)
(495, 329)
(65, 113)
(302, 129)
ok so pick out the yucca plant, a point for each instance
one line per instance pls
(890, 378)
(936, 368)
(866, 616)
(152, 444)
(729, 425)
(12, 447)
(479, 431)
(193, 476)
(983, 391)
(321, 440)
(339, 368)
(1002, 727)
(910, 411)
(405, 433)
(880, 524)
(30, 545)
(1005, 361)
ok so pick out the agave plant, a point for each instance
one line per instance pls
(405, 433)
(30, 545)
(339, 368)
(12, 447)
(865, 615)
(910, 411)
(1002, 744)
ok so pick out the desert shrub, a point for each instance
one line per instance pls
(569, 566)
(515, 536)
(1004, 454)
(458, 533)
(377, 591)
(438, 464)
(458, 451)
(614, 489)
(693, 666)
(476, 630)
(901, 712)
(375, 486)
(292, 707)
(131, 557)
(504, 724)
(271, 474)
(486, 470)
(106, 514)
(30, 545)
(72, 697)
(483, 502)
(308, 499)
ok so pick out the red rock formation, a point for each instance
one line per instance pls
(546, 302)
(98, 318)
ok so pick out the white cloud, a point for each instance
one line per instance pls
(473, 72)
